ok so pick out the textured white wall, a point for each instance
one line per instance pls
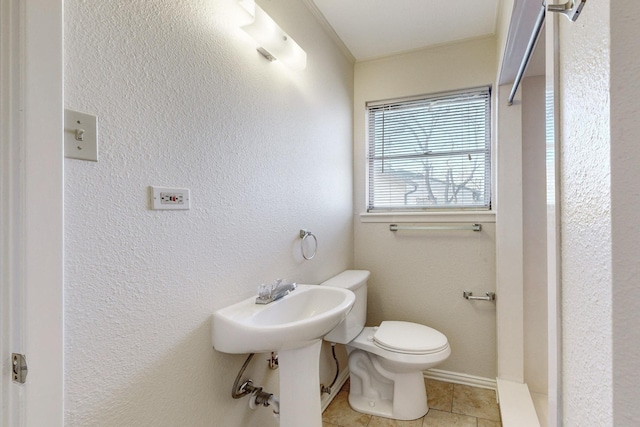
(586, 217)
(184, 100)
(625, 201)
(421, 277)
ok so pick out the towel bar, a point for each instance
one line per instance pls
(396, 227)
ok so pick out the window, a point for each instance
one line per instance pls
(431, 152)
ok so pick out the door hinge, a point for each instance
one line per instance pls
(19, 367)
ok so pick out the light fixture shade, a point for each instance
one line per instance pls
(274, 42)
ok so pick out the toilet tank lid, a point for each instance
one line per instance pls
(349, 279)
(411, 338)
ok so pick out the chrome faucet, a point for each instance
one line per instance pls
(273, 292)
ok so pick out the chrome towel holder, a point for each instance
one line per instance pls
(304, 235)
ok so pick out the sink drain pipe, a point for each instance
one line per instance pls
(258, 397)
(324, 389)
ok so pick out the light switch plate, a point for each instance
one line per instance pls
(80, 136)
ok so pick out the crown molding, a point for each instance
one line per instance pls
(329, 29)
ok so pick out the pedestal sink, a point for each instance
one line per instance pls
(293, 326)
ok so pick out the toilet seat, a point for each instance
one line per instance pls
(409, 338)
(364, 341)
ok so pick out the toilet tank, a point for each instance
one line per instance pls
(352, 325)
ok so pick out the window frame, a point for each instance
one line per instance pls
(487, 152)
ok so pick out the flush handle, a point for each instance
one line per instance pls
(19, 367)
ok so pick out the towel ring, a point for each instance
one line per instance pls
(304, 234)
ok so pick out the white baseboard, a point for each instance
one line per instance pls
(458, 378)
(328, 398)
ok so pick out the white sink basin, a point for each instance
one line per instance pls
(296, 320)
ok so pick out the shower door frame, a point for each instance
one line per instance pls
(31, 229)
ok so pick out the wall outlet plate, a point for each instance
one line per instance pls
(80, 136)
(165, 198)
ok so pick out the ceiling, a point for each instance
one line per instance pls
(376, 28)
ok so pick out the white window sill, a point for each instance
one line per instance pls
(428, 217)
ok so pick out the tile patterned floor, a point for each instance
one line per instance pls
(450, 405)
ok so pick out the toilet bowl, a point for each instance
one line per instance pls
(386, 363)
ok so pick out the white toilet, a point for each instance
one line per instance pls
(385, 362)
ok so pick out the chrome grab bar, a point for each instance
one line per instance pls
(490, 296)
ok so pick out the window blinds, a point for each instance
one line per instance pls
(431, 152)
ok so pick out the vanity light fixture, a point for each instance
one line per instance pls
(273, 42)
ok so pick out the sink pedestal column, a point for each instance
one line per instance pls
(300, 386)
